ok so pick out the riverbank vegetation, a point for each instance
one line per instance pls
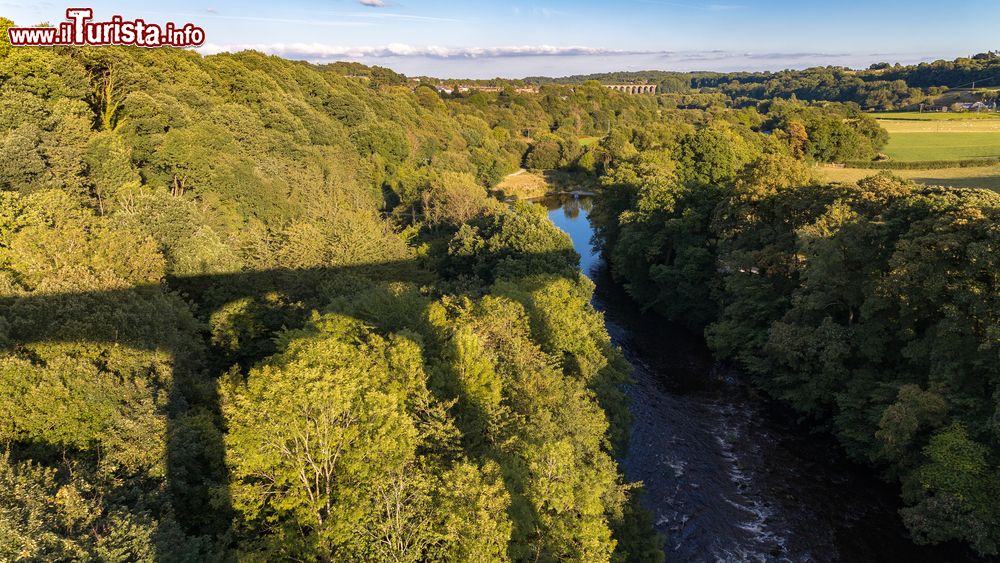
(871, 308)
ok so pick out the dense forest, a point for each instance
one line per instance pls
(254, 308)
(261, 309)
(872, 309)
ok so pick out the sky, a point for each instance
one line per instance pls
(470, 39)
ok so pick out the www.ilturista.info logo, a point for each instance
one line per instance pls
(80, 30)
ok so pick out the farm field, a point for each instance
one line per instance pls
(942, 146)
(984, 177)
(942, 136)
(904, 126)
(935, 116)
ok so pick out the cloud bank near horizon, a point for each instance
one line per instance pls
(322, 51)
(525, 60)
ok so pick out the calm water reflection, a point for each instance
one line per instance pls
(570, 214)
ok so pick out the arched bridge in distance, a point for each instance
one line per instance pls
(633, 88)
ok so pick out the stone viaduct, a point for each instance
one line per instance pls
(633, 88)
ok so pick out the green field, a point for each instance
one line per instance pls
(941, 126)
(935, 116)
(951, 136)
(983, 177)
(942, 146)
(587, 141)
(941, 136)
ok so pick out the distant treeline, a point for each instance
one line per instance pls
(882, 86)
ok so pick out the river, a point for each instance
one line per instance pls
(729, 475)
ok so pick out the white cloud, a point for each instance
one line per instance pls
(322, 51)
(709, 7)
(546, 60)
(389, 15)
(373, 3)
(31, 6)
(724, 7)
(213, 13)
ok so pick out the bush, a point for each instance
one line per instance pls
(922, 164)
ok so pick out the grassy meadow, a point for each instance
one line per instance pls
(982, 177)
(935, 116)
(915, 147)
(918, 137)
(523, 184)
(959, 136)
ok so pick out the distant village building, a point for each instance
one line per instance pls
(477, 88)
(464, 88)
(979, 106)
(925, 108)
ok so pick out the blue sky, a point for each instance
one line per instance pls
(560, 37)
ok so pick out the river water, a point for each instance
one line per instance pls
(729, 475)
